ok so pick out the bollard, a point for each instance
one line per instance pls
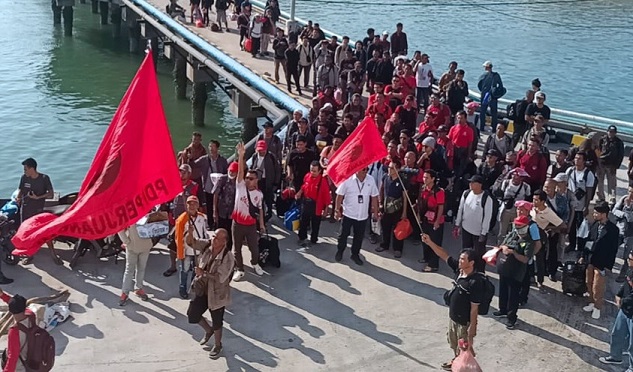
(95, 6)
(198, 102)
(116, 21)
(57, 13)
(249, 129)
(104, 11)
(68, 20)
(180, 76)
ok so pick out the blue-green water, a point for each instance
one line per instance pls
(580, 49)
(58, 94)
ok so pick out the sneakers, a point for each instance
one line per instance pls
(258, 270)
(380, 248)
(499, 314)
(142, 295)
(123, 299)
(595, 314)
(588, 308)
(397, 254)
(357, 260)
(215, 351)
(511, 325)
(373, 238)
(238, 275)
(183, 294)
(339, 256)
(609, 360)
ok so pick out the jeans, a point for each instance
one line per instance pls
(135, 264)
(357, 239)
(493, 114)
(309, 218)
(436, 237)
(621, 337)
(422, 95)
(185, 267)
(509, 297)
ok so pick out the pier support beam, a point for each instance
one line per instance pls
(249, 129)
(104, 8)
(116, 20)
(68, 13)
(57, 13)
(198, 101)
(95, 6)
(180, 76)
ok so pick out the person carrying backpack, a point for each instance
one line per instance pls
(470, 296)
(29, 347)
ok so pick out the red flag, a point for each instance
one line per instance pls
(134, 170)
(363, 147)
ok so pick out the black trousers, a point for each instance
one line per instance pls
(472, 241)
(436, 236)
(255, 47)
(547, 258)
(388, 224)
(269, 195)
(527, 282)
(305, 70)
(576, 243)
(309, 218)
(209, 204)
(359, 233)
(293, 73)
(198, 306)
(509, 297)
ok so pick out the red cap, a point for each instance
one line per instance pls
(234, 167)
(261, 145)
(524, 205)
(521, 221)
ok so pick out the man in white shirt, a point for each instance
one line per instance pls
(352, 199)
(581, 182)
(424, 80)
(473, 216)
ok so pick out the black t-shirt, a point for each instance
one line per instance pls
(409, 118)
(300, 163)
(39, 186)
(469, 290)
(533, 110)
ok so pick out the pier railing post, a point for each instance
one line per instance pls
(180, 76)
(57, 13)
(68, 13)
(104, 8)
(198, 101)
(116, 20)
(95, 6)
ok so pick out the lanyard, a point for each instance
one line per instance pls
(360, 188)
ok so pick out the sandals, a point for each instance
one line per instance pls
(429, 269)
(170, 272)
(447, 366)
(206, 338)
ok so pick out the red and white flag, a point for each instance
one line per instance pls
(363, 147)
(134, 170)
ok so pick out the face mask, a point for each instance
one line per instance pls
(231, 177)
(522, 230)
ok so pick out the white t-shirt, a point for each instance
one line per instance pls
(545, 217)
(241, 212)
(471, 215)
(199, 230)
(422, 78)
(357, 196)
(577, 180)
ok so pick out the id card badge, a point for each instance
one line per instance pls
(360, 199)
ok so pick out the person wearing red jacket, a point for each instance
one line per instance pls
(315, 197)
(533, 161)
(17, 349)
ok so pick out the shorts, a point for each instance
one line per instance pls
(456, 332)
(221, 16)
(197, 308)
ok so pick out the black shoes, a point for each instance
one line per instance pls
(499, 314)
(511, 325)
(357, 260)
(5, 280)
(339, 256)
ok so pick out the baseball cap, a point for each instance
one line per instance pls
(612, 128)
(268, 124)
(261, 145)
(473, 105)
(521, 221)
(487, 64)
(524, 205)
(185, 167)
(493, 152)
(476, 178)
(561, 177)
(193, 198)
(385, 32)
(234, 167)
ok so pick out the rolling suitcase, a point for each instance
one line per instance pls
(269, 251)
(574, 278)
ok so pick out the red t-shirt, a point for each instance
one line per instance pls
(385, 110)
(432, 199)
(461, 135)
(425, 127)
(442, 113)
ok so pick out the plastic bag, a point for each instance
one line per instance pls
(583, 230)
(248, 45)
(490, 257)
(403, 229)
(465, 361)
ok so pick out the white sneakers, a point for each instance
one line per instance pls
(595, 313)
(238, 275)
(258, 270)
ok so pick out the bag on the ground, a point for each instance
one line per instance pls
(465, 361)
(574, 275)
(269, 251)
(248, 45)
(40, 354)
(291, 217)
(403, 229)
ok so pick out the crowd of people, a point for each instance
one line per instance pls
(532, 206)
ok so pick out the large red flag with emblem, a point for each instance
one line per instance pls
(363, 147)
(134, 170)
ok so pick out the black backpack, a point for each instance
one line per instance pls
(495, 206)
(489, 292)
(511, 110)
